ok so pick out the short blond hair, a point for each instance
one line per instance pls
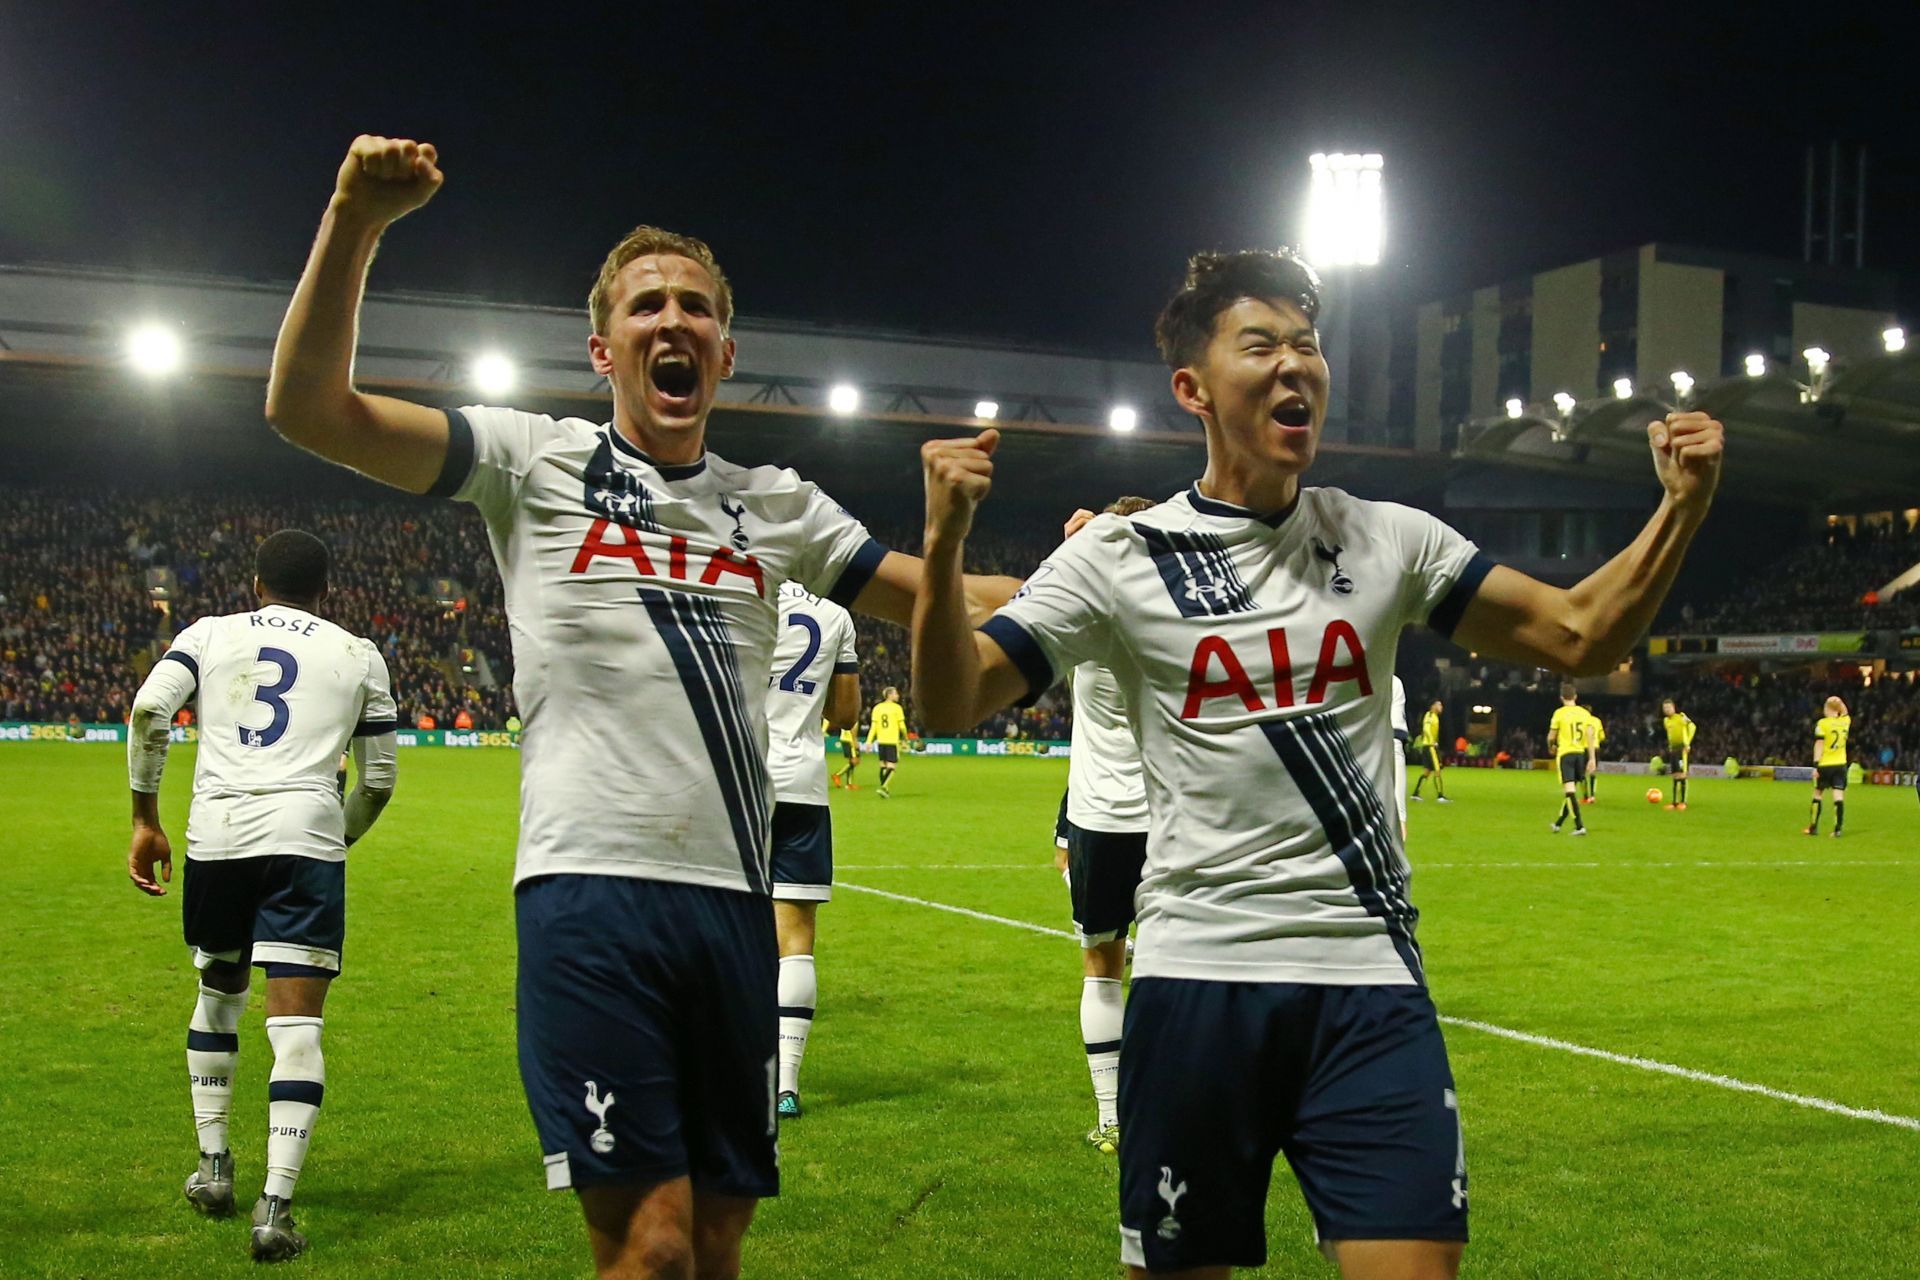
(640, 242)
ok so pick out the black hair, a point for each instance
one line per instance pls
(292, 564)
(1215, 281)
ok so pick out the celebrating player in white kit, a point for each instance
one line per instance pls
(815, 678)
(1279, 1002)
(280, 692)
(640, 574)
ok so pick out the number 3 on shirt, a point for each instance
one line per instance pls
(791, 682)
(274, 695)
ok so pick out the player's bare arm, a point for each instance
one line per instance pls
(311, 399)
(889, 594)
(843, 702)
(1586, 629)
(960, 675)
(150, 854)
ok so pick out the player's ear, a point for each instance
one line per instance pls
(599, 356)
(1191, 393)
(726, 358)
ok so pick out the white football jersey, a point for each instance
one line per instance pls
(640, 603)
(1106, 789)
(280, 695)
(1400, 734)
(815, 645)
(1256, 655)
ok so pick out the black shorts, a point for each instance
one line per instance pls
(283, 912)
(846, 749)
(1103, 872)
(1830, 777)
(802, 852)
(1430, 758)
(1351, 1084)
(1573, 768)
(1678, 768)
(648, 1029)
(1061, 825)
(889, 753)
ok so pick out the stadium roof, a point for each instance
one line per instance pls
(1850, 438)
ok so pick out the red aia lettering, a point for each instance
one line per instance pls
(1199, 688)
(629, 548)
(1326, 671)
(1342, 658)
(724, 561)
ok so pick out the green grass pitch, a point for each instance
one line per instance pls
(945, 1085)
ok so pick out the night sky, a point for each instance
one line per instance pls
(1035, 172)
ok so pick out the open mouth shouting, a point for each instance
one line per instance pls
(1294, 414)
(674, 379)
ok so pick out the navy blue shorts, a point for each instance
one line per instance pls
(1350, 1083)
(1060, 824)
(802, 852)
(1103, 872)
(283, 912)
(648, 1028)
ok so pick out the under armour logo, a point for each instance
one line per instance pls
(1342, 585)
(602, 1139)
(619, 503)
(1169, 1228)
(1205, 587)
(738, 511)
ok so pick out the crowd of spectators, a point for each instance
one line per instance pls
(1769, 718)
(1830, 583)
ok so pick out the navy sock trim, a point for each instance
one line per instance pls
(307, 1091)
(1103, 1046)
(796, 1011)
(213, 1041)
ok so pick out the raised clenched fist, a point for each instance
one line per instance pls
(1687, 450)
(384, 179)
(959, 474)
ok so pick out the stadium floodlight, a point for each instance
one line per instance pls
(1817, 359)
(1123, 418)
(1623, 388)
(1516, 407)
(843, 398)
(1895, 339)
(155, 350)
(1344, 210)
(1564, 402)
(1756, 365)
(493, 374)
(986, 409)
(1682, 383)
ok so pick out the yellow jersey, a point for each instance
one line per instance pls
(1430, 729)
(889, 727)
(1832, 732)
(1680, 730)
(1569, 732)
(1596, 732)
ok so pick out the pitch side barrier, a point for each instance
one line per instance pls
(34, 731)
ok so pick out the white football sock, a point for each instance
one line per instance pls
(1102, 1013)
(293, 1099)
(799, 994)
(213, 1052)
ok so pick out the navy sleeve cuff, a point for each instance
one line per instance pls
(458, 464)
(185, 660)
(858, 573)
(1446, 614)
(846, 668)
(1399, 735)
(1026, 653)
(374, 728)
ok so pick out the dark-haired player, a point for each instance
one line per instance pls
(641, 573)
(1568, 743)
(281, 693)
(1278, 1004)
(1430, 765)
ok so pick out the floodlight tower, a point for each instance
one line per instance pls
(1343, 236)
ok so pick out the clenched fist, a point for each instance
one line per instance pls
(1687, 449)
(959, 473)
(384, 179)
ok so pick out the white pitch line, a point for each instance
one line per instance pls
(1506, 1033)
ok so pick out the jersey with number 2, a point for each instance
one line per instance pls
(815, 645)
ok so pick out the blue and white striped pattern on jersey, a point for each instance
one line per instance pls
(615, 493)
(1320, 761)
(695, 634)
(1198, 572)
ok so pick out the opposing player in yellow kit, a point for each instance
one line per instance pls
(888, 731)
(1567, 739)
(1680, 730)
(1830, 735)
(1596, 734)
(1430, 766)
